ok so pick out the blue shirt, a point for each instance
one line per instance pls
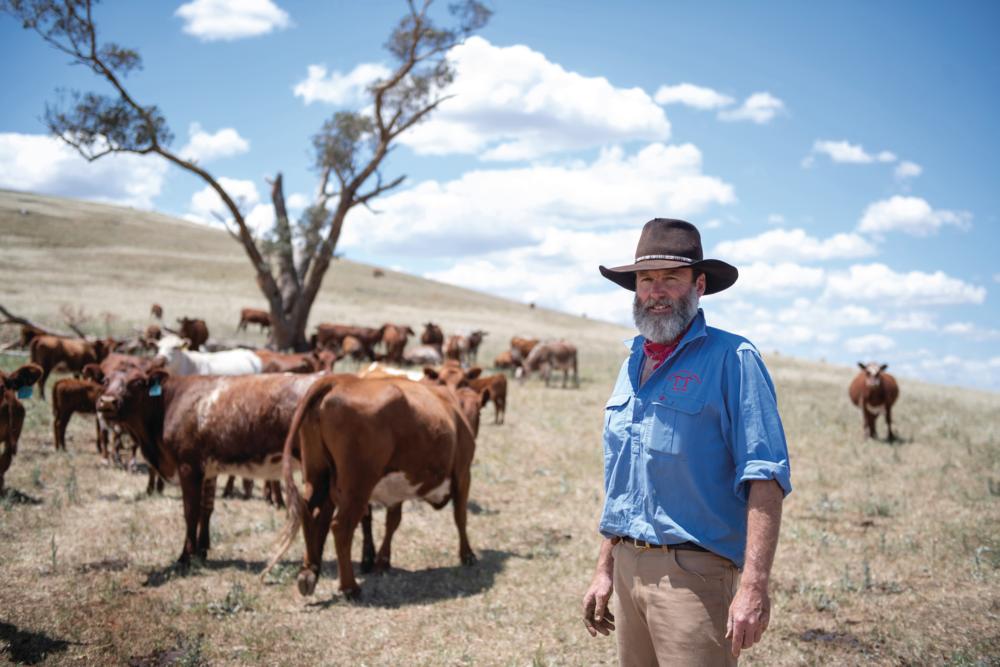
(679, 451)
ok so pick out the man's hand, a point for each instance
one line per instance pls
(749, 615)
(596, 615)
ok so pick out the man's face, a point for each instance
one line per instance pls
(666, 300)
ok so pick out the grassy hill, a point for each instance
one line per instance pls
(889, 554)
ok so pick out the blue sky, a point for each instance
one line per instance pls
(840, 154)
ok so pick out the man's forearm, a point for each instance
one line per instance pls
(763, 524)
(605, 561)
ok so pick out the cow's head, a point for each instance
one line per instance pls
(103, 347)
(324, 359)
(476, 337)
(873, 372)
(470, 402)
(126, 389)
(451, 375)
(17, 380)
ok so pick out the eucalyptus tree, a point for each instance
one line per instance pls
(348, 150)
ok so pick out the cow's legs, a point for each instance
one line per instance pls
(869, 422)
(59, 432)
(155, 482)
(367, 542)
(888, 423)
(345, 521)
(272, 493)
(41, 381)
(460, 483)
(230, 490)
(191, 489)
(207, 505)
(315, 524)
(247, 488)
(393, 517)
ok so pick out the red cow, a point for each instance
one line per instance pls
(394, 336)
(331, 336)
(378, 440)
(492, 387)
(194, 330)
(75, 353)
(254, 316)
(12, 412)
(299, 362)
(69, 396)
(475, 339)
(874, 391)
(456, 348)
(521, 347)
(156, 311)
(432, 335)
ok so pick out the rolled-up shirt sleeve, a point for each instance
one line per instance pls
(757, 438)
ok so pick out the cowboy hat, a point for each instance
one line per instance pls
(672, 244)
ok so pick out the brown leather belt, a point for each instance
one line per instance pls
(643, 544)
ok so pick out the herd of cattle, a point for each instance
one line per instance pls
(383, 434)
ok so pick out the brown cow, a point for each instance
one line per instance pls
(254, 316)
(521, 347)
(556, 354)
(432, 335)
(456, 348)
(29, 333)
(299, 362)
(75, 353)
(475, 339)
(12, 412)
(506, 361)
(375, 439)
(331, 336)
(194, 330)
(196, 427)
(492, 387)
(874, 391)
(156, 311)
(69, 396)
(394, 336)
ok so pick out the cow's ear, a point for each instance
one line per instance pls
(473, 373)
(883, 367)
(862, 366)
(93, 373)
(430, 373)
(410, 331)
(25, 376)
(157, 375)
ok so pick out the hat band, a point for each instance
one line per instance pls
(676, 258)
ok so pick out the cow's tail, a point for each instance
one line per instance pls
(296, 505)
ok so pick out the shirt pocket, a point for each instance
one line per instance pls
(665, 423)
(617, 423)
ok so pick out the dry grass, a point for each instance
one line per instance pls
(889, 554)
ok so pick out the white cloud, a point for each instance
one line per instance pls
(692, 96)
(877, 282)
(485, 210)
(207, 207)
(203, 146)
(794, 245)
(912, 321)
(777, 280)
(912, 215)
(952, 369)
(907, 169)
(869, 344)
(47, 165)
(971, 331)
(760, 108)
(846, 152)
(772, 329)
(511, 103)
(297, 201)
(212, 20)
(336, 88)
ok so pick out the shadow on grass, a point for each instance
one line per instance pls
(15, 497)
(399, 588)
(28, 648)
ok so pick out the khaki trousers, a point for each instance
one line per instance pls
(672, 606)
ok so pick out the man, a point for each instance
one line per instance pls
(695, 470)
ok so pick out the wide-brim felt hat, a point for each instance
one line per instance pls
(672, 244)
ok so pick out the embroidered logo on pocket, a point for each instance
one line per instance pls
(683, 378)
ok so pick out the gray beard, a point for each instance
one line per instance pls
(665, 328)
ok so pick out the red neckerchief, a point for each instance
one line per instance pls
(658, 352)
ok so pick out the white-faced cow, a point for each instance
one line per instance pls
(874, 391)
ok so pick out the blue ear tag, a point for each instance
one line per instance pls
(24, 392)
(155, 389)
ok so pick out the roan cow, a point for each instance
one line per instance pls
(382, 440)
(13, 385)
(552, 355)
(874, 391)
(192, 429)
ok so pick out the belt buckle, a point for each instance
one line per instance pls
(645, 546)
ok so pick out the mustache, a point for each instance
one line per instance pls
(655, 303)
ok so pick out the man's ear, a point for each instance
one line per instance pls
(700, 285)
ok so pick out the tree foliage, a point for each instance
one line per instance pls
(348, 150)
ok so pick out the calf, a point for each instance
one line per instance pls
(74, 353)
(13, 386)
(378, 440)
(69, 396)
(492, 387)
(874, 391)
(558, 355)
(254, 316)
(192, 429)
(196, 331)
(505, 361)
